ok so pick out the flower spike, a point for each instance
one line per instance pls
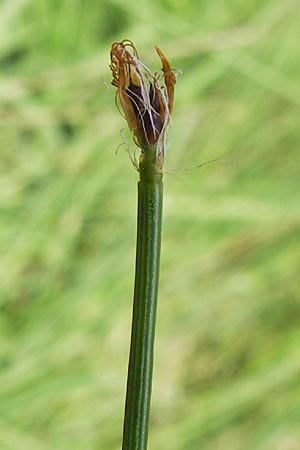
(147, 103)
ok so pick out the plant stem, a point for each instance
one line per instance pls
(138, 395)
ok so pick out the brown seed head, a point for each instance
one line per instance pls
(146, 101)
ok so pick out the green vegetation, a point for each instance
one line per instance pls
(227, 363)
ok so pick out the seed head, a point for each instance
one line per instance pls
(146, 98)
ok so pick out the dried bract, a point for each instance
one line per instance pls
(146, 98)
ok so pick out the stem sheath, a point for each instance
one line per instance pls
(138, 395)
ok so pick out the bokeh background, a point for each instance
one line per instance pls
(227, 365)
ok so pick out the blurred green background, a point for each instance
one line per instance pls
(227, 366)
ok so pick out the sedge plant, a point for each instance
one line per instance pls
(147, 101)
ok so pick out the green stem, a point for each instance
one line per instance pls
(137, 408)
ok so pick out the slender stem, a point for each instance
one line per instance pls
(137, 408)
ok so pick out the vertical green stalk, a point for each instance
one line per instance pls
(137, 408)
(147, 102)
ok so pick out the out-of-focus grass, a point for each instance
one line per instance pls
(227, 352)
